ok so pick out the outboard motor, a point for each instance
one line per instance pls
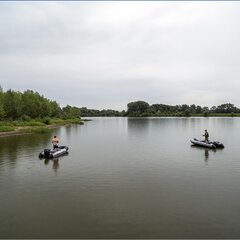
(218, 144)
(47, 153)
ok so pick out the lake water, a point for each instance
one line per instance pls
(123, 178)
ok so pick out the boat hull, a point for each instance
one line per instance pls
(53, 153)
(214, 144)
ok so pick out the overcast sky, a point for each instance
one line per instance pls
(107, 54)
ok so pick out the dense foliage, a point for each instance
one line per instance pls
(143, 109)
(31, 105)
(85, 112)
(140, 108)
(137, 108)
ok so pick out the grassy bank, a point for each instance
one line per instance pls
(35, 126)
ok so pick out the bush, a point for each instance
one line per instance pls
(6, 124)
(35, 130)
(40, 130)
(205, 113)
(28, 123)
(26, 118)
(46, 120)
(57, 121)
(145, 114)
(6, 128)
(187, 113)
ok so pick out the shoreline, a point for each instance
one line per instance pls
(12, 133)
(17, 132)
(38, 129)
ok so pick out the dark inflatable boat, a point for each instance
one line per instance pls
(55, 152)
(210, 144)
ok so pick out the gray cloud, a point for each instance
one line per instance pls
(105, 54)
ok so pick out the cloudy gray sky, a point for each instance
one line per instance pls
(106, 54)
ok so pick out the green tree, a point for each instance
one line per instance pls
(187, 113)
(2, 112)
(213, 109)
(12, 104)
(184, 107)
(31, 104)
(205, 113)
(137, 108)
(198, 109)
(226, 108)
(55, 110)
(71, 112)
(193, 108)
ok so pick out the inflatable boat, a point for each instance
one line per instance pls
(55, 152)
(202, 143)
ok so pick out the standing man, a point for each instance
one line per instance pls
(55, 142)
(206, 135)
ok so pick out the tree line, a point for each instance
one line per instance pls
(143, 109)
(85, 112)
(15, 105)
(27, 105)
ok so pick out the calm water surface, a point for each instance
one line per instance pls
(123, 178)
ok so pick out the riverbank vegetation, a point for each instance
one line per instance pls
(85, 112)
(144, 109)
(31, 112)
(35, 126)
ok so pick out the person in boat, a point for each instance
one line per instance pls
(206, 135)
(55, 142)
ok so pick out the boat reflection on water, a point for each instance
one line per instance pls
(55, 163)
(206, 155)
(46, 161)
(206, 151)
